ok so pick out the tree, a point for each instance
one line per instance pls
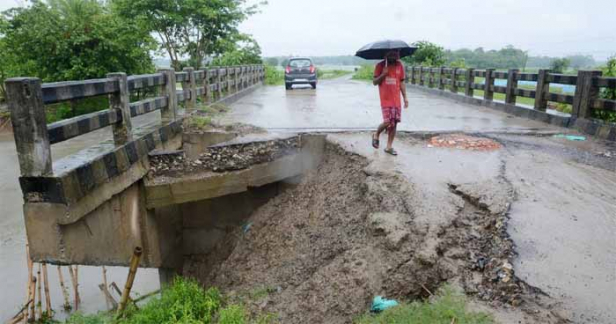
(193, 28)
(427, 54)
(560, 65)
(72, 40)
(581, 61)
(246, 51)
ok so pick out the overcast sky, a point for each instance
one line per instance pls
(332, 27)
(339, 27)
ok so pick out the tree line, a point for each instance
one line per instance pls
(59, 40)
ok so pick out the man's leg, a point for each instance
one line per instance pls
(381, 128)
(391, 134)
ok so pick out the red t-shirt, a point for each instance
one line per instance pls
(389, 89)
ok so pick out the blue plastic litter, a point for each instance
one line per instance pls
(246, 227)
(571, 137)
(380, 304)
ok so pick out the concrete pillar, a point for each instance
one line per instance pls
(543, 89)
(441, 78)
(122, 131)
(470, 80)
(25, 100)
(169, 113)
(191, 86)
(488, 93)
(585, 93)
(512, 84)
(454, 78)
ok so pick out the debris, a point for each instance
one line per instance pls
(223, 158)
(481, 263)
(571, 137)
(246, 227)
(380, 304)
(464, 142)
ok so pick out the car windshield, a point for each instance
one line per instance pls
(299, 63)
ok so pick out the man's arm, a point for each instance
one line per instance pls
(379, 77)
(403, 90)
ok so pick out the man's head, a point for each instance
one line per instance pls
(392, 57)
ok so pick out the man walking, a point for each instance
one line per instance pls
(389, 76)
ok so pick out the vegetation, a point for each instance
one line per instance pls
(560, 65)
(273, 76)
(610, 71)
(196, 28)
(184, 302)
(427, 54)
(324, 74)
(446, 307)
(365, 72)
(70, 40)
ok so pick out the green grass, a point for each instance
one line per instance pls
(273, 76)
(365, 72)
(200, 122)
(446, 306)
(184, 302)
(331, 74)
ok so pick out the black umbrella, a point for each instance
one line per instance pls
(377, 50)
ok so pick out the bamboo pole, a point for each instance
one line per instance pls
(116, 288)
(132, 272)
(47, 295)
(17, 319)
(39, 304)
(111, 302)
(75, 280)
(28, 296)
(67, 303)
(33, 304)
(106, 291)
(22, 312)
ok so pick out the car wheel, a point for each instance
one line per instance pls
(313, 85)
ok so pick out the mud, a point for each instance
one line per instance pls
(319, 252)
(222, 158)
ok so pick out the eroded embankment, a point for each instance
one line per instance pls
(323, 249)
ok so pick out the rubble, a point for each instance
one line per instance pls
(223, 158)
(464, 142)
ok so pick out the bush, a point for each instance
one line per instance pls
(273, 76)
(365, 72)
(184, 302)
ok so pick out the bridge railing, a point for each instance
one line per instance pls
(27, 99)
(588, 85)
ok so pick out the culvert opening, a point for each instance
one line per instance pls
(319, 246)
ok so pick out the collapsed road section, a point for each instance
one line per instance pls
(306, 219)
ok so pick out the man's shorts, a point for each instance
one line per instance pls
(392, 115)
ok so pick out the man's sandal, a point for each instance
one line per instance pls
(375, 141)
(391, 151)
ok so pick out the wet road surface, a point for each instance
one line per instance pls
(344, 104)
(563, 219)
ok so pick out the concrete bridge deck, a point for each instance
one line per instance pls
(562, 221)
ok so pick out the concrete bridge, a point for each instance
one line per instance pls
(95, 206)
